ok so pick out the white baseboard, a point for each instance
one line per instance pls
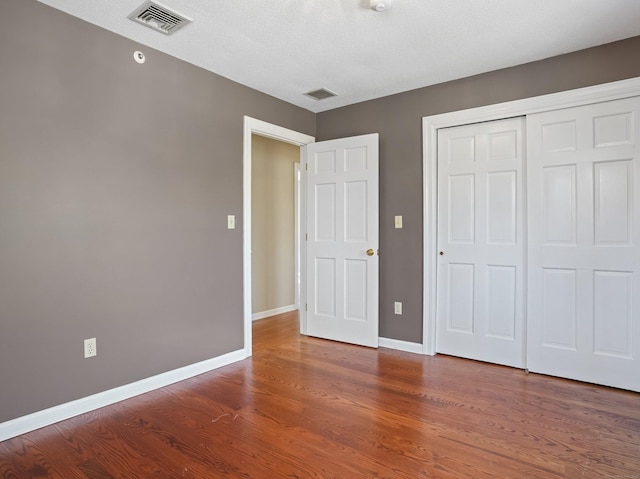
(39, 419)
(400, 345)
(273, 312)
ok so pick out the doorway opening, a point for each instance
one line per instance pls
(253, 127)
(274, 269)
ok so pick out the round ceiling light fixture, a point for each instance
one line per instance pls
(380, 5)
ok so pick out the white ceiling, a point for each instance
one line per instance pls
(287, 47)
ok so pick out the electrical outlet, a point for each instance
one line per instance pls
(397, 307)
(398, 222)
(231, 222)
(90, 349)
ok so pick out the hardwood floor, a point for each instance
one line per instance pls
(307, 408)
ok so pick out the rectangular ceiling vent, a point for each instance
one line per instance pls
(159, 17)
(321, 94)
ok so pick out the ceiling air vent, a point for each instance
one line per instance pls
(159, 17)
(321, 94)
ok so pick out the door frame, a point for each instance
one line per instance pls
(253, 126)
(297, 203)
(430, 126)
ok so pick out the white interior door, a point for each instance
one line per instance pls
(342, 240)
(584, 229)
(480, 269)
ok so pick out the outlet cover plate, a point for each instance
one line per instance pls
(90, 349)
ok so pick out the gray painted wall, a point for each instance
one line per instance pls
(115, 184)
(398, 119)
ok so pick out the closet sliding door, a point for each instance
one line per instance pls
(480, 276)
(583, 191)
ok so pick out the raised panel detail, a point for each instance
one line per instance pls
(325, 162)
(355, 159)
(503, 145)
(501, 207)
(559, 137)
(460, 300)
(613, 130)
(462, 150)
(501, 301)
(325, 212)
(559, 204)
(612, 313)
(462, 209)
(355, 217)
(355, 294)
(559, 308)
(613, 202)
(325, 287)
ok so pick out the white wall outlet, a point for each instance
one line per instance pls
(397, 307)
(231, 222)
(398, 222)
(90, 348)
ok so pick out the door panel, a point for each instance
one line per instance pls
(461, 209)
(460, 307)
(584, 260)
(501, 307)
(342, 223)
(480, 235)
(501, 207)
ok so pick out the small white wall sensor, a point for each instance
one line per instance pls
(139, 56)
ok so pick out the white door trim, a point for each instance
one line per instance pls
(297, 187)
(430, 126)
(253, 126)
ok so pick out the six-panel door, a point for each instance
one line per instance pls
(342, 239)
(480, 242)
(584, 259)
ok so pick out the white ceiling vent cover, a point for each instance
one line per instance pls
(159, 17)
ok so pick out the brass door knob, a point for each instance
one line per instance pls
(370, 252)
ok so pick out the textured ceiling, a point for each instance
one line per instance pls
(287, 47)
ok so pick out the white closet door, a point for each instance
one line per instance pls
(584, 227)
(480, 267)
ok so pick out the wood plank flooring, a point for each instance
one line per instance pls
(307, 408)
